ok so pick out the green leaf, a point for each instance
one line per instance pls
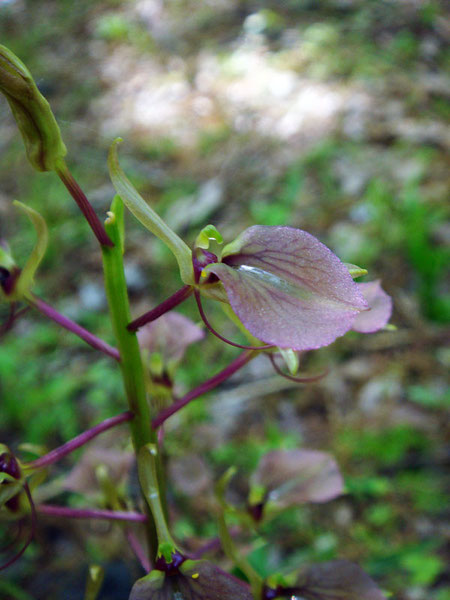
(32, 112)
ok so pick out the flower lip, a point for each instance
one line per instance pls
(8, 279)
(200, 259)
(172, 568)
(9, 465)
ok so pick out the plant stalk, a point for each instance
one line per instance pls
(130, 363)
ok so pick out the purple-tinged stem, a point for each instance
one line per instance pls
(70, 325)
(306, 379)
(180, 296)
(214, 332)
(138, 550)
(78, 441)
(12, 317)
(89, 513)
(206, 386)
(83, 203)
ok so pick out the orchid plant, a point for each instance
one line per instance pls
(282, 288)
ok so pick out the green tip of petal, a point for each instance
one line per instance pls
(355, 271)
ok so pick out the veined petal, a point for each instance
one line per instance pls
(380, 308)
(337, 580)
(287, 288)
(291, 477)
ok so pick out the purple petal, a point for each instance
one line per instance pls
(297, 476)
(337, 580)
(170, 335)
(380, 308)
(287, 288)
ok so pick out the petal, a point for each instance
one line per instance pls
(337, 580)
(287, 288)
(380, 308)
(296, 476)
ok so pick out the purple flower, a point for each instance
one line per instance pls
(380, 308)
(170, 335)
(286, 478)
(289, 290)
(199, 580)
(334, 580)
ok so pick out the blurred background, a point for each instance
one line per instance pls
(331, 116)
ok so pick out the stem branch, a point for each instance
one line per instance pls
(78, 441)
(89, 513)
(83, 203)
(180, 296)
(70, 325)
(206, 386)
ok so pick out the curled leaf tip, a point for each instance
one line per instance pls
(40, 132)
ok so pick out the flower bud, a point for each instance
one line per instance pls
(32, 112)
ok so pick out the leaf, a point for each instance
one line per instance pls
(287, 288)
(380, 308)
(292, 477)
(195, 580)
(337, 580)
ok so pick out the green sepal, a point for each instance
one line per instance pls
(25, 280)
(256, 494)
(9, 487)
(32, 112)
(222, 484)
(6, 259)
(206, 235)
(148, 217)
(291, 359)
(94, 582)
(166, 550)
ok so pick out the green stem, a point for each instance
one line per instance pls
(130, 363)
(233, 554)
(148, 477)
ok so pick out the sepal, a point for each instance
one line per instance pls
(32, 112)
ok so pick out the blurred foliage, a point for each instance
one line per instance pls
(373, 187)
